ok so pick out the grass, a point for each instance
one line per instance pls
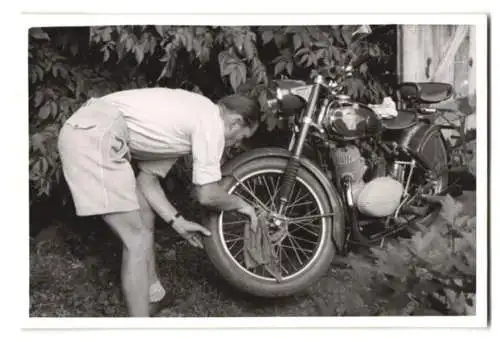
(75, 272)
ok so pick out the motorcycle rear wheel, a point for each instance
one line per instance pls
(262, 176)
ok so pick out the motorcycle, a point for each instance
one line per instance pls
(307, 196)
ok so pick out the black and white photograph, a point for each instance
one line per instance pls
(308, 170)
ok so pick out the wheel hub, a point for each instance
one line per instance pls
(277, 227)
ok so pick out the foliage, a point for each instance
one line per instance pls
(69, 65)
(432, 272)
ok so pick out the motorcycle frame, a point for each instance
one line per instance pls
(298, 143)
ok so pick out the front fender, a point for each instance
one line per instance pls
(336, 204)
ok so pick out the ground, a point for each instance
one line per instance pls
(75, 272)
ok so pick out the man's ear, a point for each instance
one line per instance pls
(237, 121)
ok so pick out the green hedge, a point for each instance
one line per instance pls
(67, 65)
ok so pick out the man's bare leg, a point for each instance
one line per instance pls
(148, 218)
(136, 240)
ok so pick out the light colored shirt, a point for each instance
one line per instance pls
(168, 123)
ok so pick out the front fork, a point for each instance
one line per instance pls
(293, 165)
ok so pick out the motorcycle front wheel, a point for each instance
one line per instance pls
(302, 252)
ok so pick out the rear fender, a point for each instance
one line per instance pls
(336, 206)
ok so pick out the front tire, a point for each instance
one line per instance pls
(263, 285)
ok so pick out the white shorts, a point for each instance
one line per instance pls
(93, 147)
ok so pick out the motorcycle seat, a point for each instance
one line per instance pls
(403, 120)
(425, 92)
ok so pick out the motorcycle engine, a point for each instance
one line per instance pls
(349, 162)
(379, 196)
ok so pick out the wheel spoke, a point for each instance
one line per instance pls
(288, 258)
(234, 239)
(295, 250)
(257, 200)
(236, 255)
(280, 256)
(302, 204)
(306, 229)
(297, 200)
(302, 239)
(235, 222)
(232, 246)
(232, 235)
(270, 195)
(302, 249)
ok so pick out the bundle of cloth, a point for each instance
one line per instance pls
(385, 110)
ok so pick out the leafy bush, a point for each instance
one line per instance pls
(69, 65)
(434, 272)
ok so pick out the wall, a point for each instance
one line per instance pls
(441, 53)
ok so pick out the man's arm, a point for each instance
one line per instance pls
(213, 195)
(149, 183)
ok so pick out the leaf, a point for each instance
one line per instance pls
(302, 51)
(139, 53)
(73, 48)
(197, 47)
(129, 43)
(189, 41)
(54, 70)
(227, 63)
(271, 122)
(322, 43)
(297, 41)
(338, 35)
(346, 34)
(363, 68)
(279, 67)
(120, 50)
(235, 80)
(238, 41)
(106, 54)
(303, 59)
(320, 53)
(44, 111)
(63, 72)
(306, 39)
(37, 142)
(279, 39)
(38, 33)
(243, 72)
(106, 34)
(205, 55)
(422, 241)
(310, 60)
(53, 109)
(289, 68)
(180, 36)
(159, 29)
(314, 32)
(249, 46)
(152, 45)
(267, 36)
(450, 209)
(40, 72)
(39, 97)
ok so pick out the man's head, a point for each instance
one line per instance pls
(241, 118)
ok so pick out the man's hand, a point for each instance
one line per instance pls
(249, 211)
(190, 231)
(213, 195)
